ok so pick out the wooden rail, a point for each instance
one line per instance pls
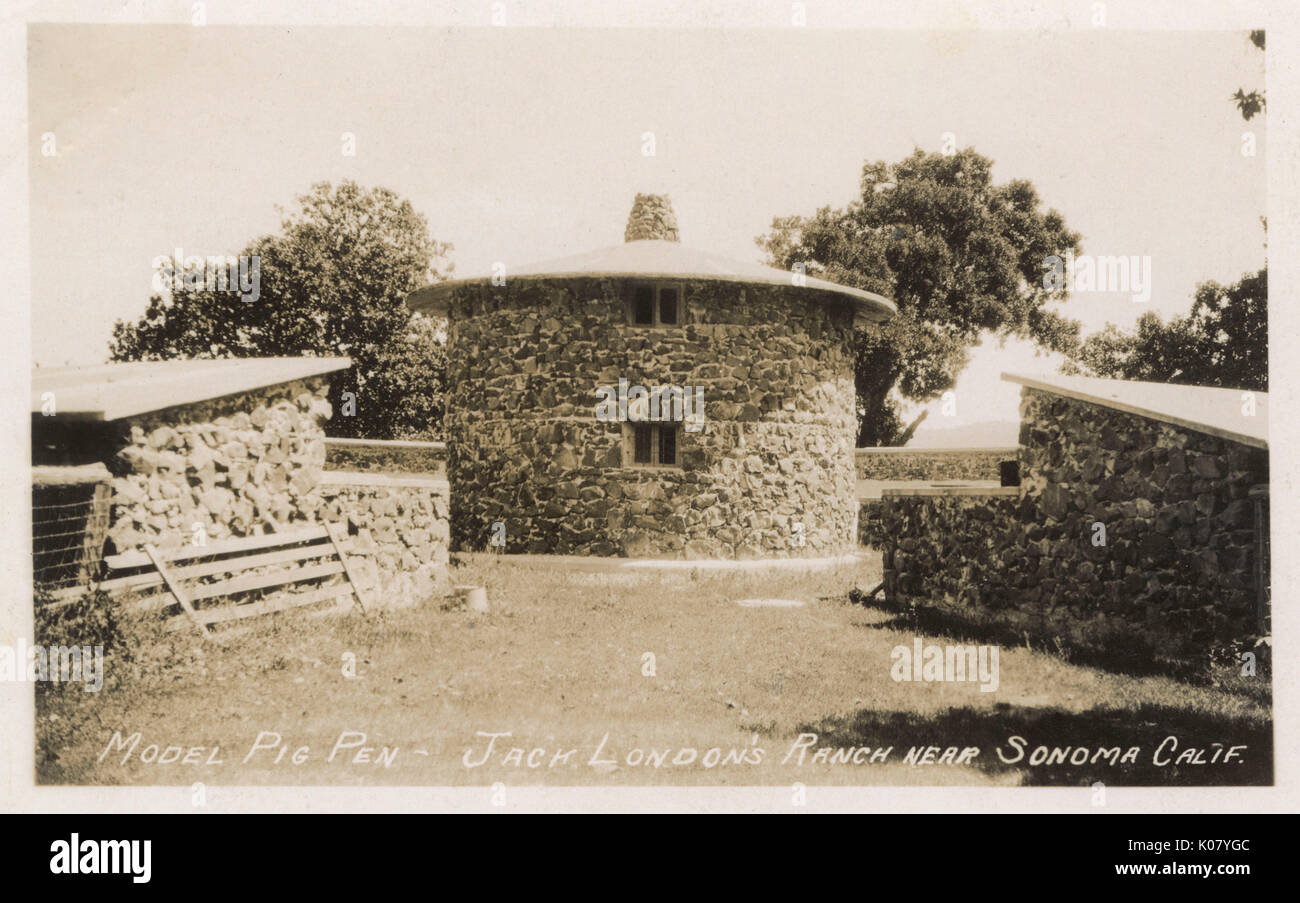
(181, 578)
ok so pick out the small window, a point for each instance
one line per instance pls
(643, 306)
(668, 445)
(643, 434)
(655, 305)
(654, 444)
(668, 306)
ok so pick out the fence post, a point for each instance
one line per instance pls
(70, 521)
(92, 550)
(1259, 496)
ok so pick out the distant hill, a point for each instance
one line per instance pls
(981, 434)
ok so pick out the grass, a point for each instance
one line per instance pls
(637, 666)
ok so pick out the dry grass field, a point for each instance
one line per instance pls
(617, 678)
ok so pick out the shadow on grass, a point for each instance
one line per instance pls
(1145, 728)
(1121, 653)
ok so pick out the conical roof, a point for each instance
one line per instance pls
(659, 259)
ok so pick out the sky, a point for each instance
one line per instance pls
(522, 144)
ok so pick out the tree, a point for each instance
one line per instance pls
(333, 282)
(412, 372)
(1222, 342)
(957, 254)
(1251, 103)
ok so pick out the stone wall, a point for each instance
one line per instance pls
(399, 529)
(948, 547)
(387, 456)
(776, 449)
(251, 462)
(231, 465)
(931, 463)
(1170, 575)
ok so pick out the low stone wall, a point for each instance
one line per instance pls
(399, 528)
(1124, 531)
(952, 548)
(931, 463)
(387, 456)
(253, 462)
(229, 466)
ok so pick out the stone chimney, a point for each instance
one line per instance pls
(651, 217)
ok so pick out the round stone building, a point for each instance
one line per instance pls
(649, 400)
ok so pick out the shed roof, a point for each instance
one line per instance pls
(658, 259)
(113, 391)
(1206, 409)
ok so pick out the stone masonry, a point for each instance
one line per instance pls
(230, 465)
(400, 531)
(1171, 575)
(651, 217)
(931, 463)
(776, 450)
(249, 463)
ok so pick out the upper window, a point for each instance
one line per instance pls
(653, 444)
(655, 305)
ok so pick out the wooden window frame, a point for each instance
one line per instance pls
(657, 304)
(655, 428)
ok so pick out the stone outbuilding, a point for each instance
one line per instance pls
(236, 446)
(1140, 523)
(153, 452)
(651, 400)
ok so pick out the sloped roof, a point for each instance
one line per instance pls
(657, 259)
(1218, 412)
(113, 391)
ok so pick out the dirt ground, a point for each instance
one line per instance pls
(617, 678)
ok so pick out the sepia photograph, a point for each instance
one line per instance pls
(508, 403)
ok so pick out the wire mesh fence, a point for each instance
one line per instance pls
(70, 519)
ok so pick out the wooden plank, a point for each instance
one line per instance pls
(269, 606)
(354, 577)
(176, 589)
(75, 475)
(136, 558)
(432, 481)
(263, 581)
(92, 543)
(226, 614)
(225, 565)
(385, 443)
(160, 598)
(155, 601)
(142, 580)
(65, 596)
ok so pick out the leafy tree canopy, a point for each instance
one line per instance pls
(958, 254)
(332, 282)
(1222, 342)
(1252, 102)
